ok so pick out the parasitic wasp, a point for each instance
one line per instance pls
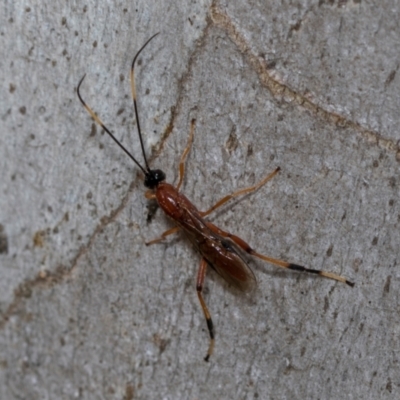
(219, 249)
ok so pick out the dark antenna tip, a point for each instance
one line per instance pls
(137, 54)
(133, 89)
(78, 87)
(80, 82)
(99, 122)
(146, 170)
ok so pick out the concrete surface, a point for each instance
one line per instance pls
(89, 312)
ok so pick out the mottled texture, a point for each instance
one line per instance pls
(88, 311)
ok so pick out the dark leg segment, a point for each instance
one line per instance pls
(280, 263)
(199, 287)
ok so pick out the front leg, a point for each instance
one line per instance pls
(163, 235)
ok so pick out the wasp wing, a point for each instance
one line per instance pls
(220, 253)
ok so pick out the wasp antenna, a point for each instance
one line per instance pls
(99, 122)
(133, 89)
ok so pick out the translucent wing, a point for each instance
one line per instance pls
(221, 254)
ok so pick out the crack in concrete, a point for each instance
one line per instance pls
(282, 92)
(279, 90)
(46, 280)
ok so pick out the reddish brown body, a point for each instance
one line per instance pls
(219, 249)
(219, 252)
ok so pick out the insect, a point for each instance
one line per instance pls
(220, 250)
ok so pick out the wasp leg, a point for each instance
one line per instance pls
(280, 263)
(199, 287)
(150, 195)
(163, 235)
(240, 192)
(184, 155)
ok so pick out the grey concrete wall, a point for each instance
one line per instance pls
(89, 312)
